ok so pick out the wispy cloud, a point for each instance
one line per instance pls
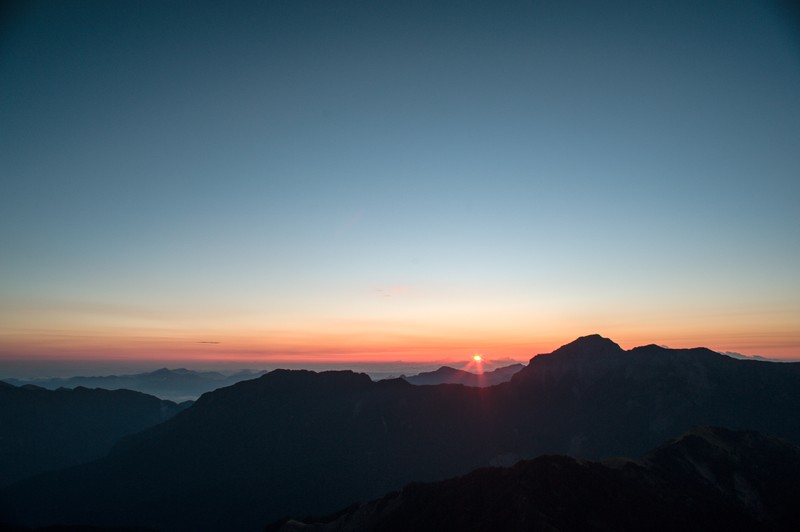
(392, 291)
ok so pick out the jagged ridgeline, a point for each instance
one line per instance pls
(177, 385)
(298, 443)
(708, 479)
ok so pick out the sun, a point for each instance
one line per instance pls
(476, 357)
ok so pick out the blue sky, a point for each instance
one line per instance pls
(364, 178)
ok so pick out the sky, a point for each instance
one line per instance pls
(380, 181)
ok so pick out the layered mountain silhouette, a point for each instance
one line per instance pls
(448, 375)
(43, 430)
(174, 384)
(296, 443)
(709, 479)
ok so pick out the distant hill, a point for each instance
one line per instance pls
(173, 384)
(42, 430)
(710, 479)
(296, 443)
(745, 357)
(448, 375)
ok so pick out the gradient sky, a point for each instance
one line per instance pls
(397, 180)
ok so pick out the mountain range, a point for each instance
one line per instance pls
(297, 443)
(43, 430)
(448, 375)
(174, 384)
(709, 479)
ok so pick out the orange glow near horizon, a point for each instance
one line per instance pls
(367, 342)
(417, 324)
(250, 350)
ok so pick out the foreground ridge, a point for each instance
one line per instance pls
(709, 479)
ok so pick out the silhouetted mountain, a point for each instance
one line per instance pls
(174, 384)
(43, 430)
(294, 443)
(709, 480)
(448, 375)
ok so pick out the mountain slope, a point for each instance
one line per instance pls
(300, 443)
(709, 479)
(43, 430)
(448, 375)
(173, 384)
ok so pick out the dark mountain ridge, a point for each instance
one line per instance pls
(42, 430)
(300, 443)
(448, 375)
(178, 385)
(709, 479)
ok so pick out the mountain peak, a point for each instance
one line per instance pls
(593, 352)
(449, 375)
(590, 345)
